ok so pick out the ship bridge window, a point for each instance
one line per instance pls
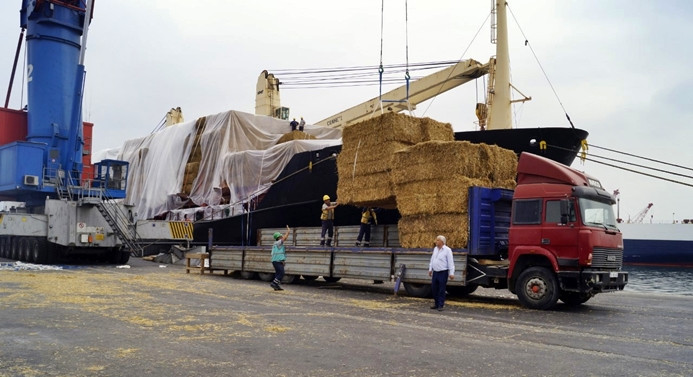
(527, 211)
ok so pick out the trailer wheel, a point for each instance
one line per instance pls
(290, 279)
(537, 288)
(330, 279)
(23, 251)
(124, 257)
(3, 247)
(462, 290)
(14, 248)
(266, 276)
(309, 277)
(574, 298)
(248, 275)
(34, 251)
(418, 290)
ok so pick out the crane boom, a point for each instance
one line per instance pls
(419, 91)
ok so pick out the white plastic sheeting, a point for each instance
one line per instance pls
(238, 149)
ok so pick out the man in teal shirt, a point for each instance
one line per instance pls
(279, 258)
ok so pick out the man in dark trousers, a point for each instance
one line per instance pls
(441, 267)
(327, 219)
(293, 124)
(367, 215)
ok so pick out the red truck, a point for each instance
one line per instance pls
(553, 237)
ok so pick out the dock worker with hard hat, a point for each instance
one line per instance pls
(327, 218)
(279, 258)
(367, 216)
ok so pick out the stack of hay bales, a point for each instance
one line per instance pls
(192, 167)
(367, 147)
(295, 135)
(431, 182)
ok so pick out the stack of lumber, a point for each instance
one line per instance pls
(364, 164)
(431, 182)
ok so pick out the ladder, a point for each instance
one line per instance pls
(120, 223)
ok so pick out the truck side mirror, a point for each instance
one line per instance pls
(565, 211)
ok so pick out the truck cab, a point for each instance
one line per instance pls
(563, 239)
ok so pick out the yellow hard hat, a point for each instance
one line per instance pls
(326, 197)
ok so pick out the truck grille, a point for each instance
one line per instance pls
(607, 258)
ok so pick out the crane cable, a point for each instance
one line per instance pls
(440, 87)
(381, 69)
(540, 66)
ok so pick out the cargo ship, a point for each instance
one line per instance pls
(668, 245)
(230, 173)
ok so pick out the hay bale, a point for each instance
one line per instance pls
(434, 130)
(445, 195)
(500, 163)
(295, 135)
(364, 160)
(372, 190)
(421, 230)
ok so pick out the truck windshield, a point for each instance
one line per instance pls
(597, 213)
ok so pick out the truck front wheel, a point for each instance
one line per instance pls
(537, 288)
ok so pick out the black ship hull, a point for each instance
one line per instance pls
(295, 198)
(562, 144)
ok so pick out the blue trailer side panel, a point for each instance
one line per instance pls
(489, 220)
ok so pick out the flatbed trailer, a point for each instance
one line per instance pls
(557, 256)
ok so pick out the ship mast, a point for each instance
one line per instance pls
(499, 116)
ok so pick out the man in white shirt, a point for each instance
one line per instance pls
(441, 267)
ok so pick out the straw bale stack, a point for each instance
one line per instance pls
(421, 231)
(295, 135)
(431, 182)
(192, 167)
(367, 148)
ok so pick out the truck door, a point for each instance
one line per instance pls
(559, 232)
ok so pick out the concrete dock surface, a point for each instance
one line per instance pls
(157, 320)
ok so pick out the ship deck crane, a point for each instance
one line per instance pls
(425, 88)
(495, 114)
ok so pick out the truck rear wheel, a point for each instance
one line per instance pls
(574, 298)
(418, 290)
(537, 288)
(330, 279)
(266, 276)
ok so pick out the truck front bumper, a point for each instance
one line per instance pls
(592, 281)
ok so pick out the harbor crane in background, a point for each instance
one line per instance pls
(641, 215)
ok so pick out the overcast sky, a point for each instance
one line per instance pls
(622, 69)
